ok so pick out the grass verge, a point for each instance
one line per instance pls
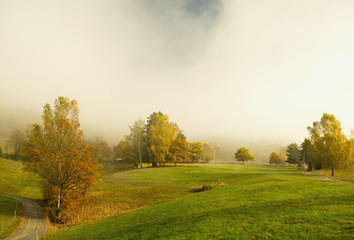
(8, 220)
(342, 174)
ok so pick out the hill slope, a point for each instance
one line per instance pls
(256, 202)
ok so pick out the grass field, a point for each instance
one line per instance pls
(8, 222)
(14, 182)
(256, 202)
(343, 174)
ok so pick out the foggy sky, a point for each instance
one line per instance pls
(222, 70)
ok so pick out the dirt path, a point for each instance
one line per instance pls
(322, 177)
(34, 226)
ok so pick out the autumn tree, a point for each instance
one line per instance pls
(124, 151)
(136, 138)
(59, 154)
(179, 148)
(18, 139)
(293, 154)
(243, 155)
(329, 145)
(282, 155)
(274, 158)
(159, 137)
(103, 152)
(196, 151)
(210, 151)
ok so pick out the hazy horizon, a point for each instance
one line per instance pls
(225, 71)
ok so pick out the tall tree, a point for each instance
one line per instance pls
(18, 140)
(59, 153)
(137, 139)
(243, 155)
(293, 154)
(210, 152)
(159, 138)
(196, 151)
(124, 151)
(329, 145)
(103, 151)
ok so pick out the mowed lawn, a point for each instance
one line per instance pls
(14, 182)
(256, 202)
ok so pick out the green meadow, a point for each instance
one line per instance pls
(253, 202)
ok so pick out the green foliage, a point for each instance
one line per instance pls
(292, 207)
(293, 154)
(243, 155)
(0, 152)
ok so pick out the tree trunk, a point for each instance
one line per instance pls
(59, 205)
(332, 171)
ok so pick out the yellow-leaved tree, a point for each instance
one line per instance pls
(159, 137)
(328, 145)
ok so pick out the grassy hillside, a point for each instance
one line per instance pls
(255, 203)
(15, 182)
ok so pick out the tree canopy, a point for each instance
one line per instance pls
(327, 146)
(59, 153)
(243, 155)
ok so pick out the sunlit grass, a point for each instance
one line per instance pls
(256, 202)
(15, 182)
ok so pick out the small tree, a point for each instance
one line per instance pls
(293, 154)
(243, 155)
(274, 158)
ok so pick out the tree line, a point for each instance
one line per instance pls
(327, 147)
(70, 165)
(159, 142)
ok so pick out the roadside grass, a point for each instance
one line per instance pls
(14, 182)
(256, 202)
(342, 174)
(8, 222)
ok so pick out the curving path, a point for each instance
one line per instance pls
(34, 226)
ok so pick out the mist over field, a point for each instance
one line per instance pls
(238, 73)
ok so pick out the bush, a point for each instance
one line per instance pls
(207, 187)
